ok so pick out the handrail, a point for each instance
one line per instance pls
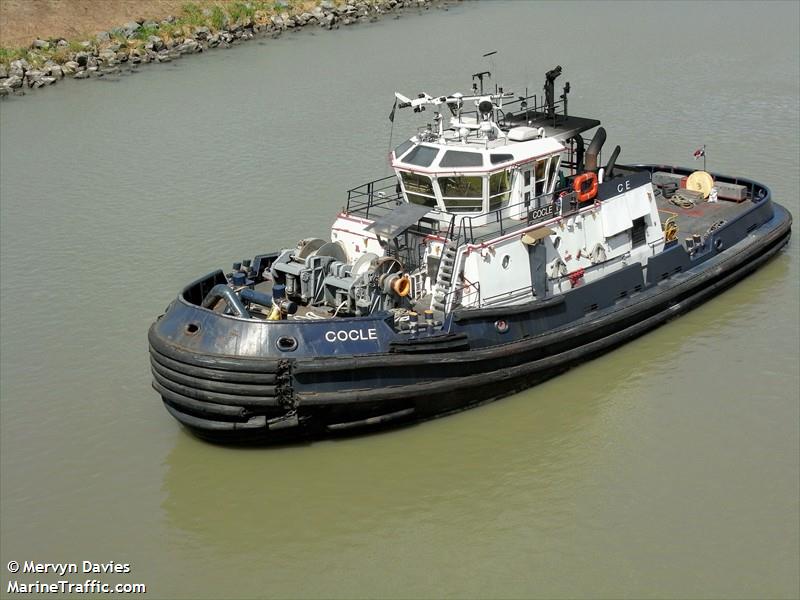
(460, 290)
(372, 197)
(368, 196)
(466, 229)
(537, 111)
(488, 301)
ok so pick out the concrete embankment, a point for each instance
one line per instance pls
(196, 29)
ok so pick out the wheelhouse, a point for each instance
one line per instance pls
(476, 181)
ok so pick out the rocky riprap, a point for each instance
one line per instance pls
(126, 47)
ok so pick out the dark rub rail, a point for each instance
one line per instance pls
(218, 393)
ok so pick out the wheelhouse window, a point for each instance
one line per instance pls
(554, 172)
(421, 156)
(499, 186)
(457, 158)
(462, 194)
(402, 148)
(500, 158)
(540, 174)
(419, 189)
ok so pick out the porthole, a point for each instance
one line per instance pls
(286, 343)
(192, 328)
(556, 242)
(718, 244)
(506, 260)
(501, 325)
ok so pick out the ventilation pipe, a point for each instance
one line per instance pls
(612, 162)
(579, 150)
(223, 292)
(594, 149)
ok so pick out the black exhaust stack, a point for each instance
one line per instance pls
(609, 172)
(594, 149)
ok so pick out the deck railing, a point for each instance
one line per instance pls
(534, 109)
(501, 222)
(375, 198)
(467, 290)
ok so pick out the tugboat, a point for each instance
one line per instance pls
(500, 253)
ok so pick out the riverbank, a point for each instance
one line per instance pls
(22, 21)
(161, 37)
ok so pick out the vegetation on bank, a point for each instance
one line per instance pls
(216, 16)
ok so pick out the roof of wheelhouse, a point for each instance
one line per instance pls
(559, 127)
(435, 156)
(501, 131)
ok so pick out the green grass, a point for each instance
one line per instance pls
(192, 15)
(7, 55)
(218, 17)
(145, 32)
(120, 38)
(241, 10)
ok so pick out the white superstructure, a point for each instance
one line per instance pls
(513, 213)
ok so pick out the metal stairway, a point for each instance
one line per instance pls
(444, 278)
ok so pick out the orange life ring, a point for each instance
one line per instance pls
(579, 185)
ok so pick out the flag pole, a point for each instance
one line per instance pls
(704, 157)
(391, 130)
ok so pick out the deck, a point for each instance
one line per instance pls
(698, 219)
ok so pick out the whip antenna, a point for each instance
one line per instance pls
(492, 66)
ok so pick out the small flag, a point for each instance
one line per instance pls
(700, 153)
(391, 114)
